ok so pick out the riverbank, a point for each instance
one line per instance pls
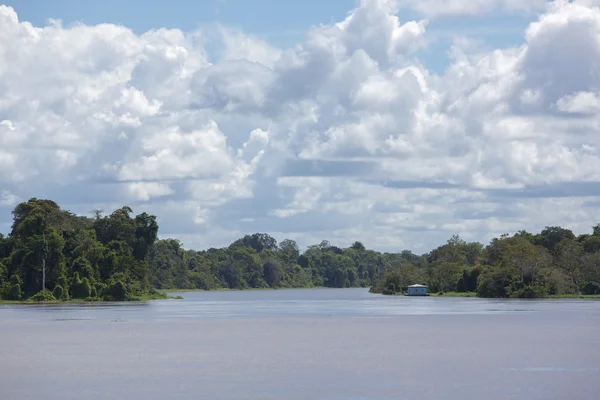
(473, 294)
(145, 297)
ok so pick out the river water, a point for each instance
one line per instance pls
(322, 344)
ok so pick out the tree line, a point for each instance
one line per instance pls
(53, 254)
(524, 265)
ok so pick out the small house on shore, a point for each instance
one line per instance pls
(417, 290)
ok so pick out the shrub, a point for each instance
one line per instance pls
(63, 282)
(14, 292)
(75, 279)
(591, 288)
(80, 288)
(85, 290)
(116, 291)
(9, 292)
(58, 292)
(43, 295)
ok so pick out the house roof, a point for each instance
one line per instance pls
(417, 285)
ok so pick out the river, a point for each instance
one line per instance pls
(321, 344)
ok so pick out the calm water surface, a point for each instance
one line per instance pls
(302, 344)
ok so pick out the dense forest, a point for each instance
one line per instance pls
(53, 254)
(525, 265)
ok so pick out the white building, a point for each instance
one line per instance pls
(417, 290)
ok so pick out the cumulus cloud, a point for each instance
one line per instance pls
(345, 136)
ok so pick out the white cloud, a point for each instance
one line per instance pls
(8, 199)
(346, 136)
(147, 190)
(581, 102)
(172, 154)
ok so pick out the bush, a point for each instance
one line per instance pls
(10, 291)
(80, 289)
(63, 282)
(14, 292)
(117, 291)
(58, 292)
(591, 288)
(388, 292)
(85, 290)
(43, 295)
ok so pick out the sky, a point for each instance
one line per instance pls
(396, 123)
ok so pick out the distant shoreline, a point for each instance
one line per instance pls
(474, 295)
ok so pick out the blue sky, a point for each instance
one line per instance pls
(281, 23)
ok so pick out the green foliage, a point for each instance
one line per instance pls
(468, 281)
(89, 250)
(118, 257)
(83, 268)
(116, 291)
(11, 291)
(80, 288)
(3, 273)
(58, 292)
(63, 281)
(496, 282)
(592, 288)
(44, 295)
(273, 273)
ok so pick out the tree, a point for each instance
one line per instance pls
(551, 236)
(358, 246)
(527, 258)
(146, 233)
(257, 241)
(289, 251)
(273, 273)
(569, 257)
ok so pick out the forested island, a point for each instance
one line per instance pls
(54, 255)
